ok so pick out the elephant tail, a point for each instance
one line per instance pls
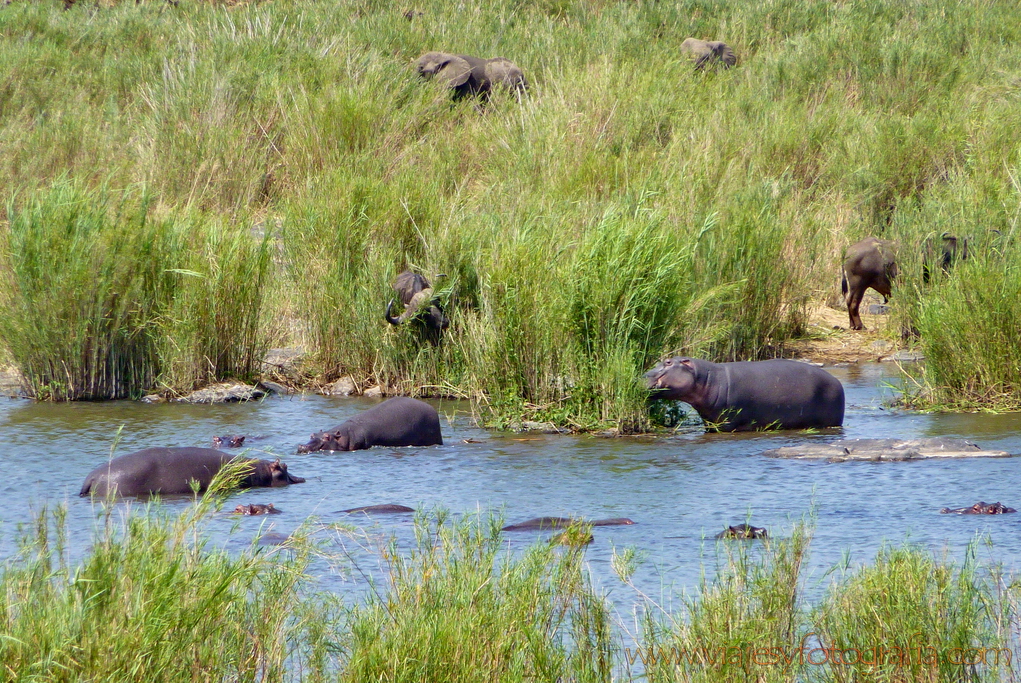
(843, 282)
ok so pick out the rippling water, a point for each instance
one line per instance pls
(678, 489)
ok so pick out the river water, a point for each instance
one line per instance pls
(680, 490)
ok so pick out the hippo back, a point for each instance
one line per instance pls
(399, 421)
(782, 393)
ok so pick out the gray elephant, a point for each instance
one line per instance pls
(398, 421)
(745, 396)
(466, 75)
(171, 470)
(710, 53)
(869, 263)
(420, 306)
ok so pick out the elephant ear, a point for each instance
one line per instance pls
(455, 71)
(722, 52)
(431, 62)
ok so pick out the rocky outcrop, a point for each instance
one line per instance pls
(225, 392)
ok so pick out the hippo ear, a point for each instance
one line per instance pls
(686, 362)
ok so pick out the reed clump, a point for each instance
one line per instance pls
(103, 299)
(460, 606)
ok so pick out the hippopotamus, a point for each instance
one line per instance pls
(541, 523)
(743, 531)
(256, 509)
(980, 508)
(398, 421)
(382, 509)
(170, 471)
(869, 263)
(750, 395)
(228, 441)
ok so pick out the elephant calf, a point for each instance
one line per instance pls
(943, 254)
(709, 53)
(869, 263)
(466, 75)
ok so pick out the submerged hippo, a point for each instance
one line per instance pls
(170, 471)
(769, 394)
(387, 508)
(541, 523)
(256, 509)
(228, 441)
(396, 422)
(980, 508)
(743, 531)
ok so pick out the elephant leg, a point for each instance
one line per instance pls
(854, 297)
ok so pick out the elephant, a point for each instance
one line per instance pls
(398, 421)
(709, 53)
(170, 471)
(869, 263)
(751, 395)
(420, 306)
(949, 250)
(466, 75)
(541, 523)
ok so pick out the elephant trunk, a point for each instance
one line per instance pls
(389, 315)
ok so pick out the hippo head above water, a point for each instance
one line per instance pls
(271, 473)
(334, 440)
(674, 378)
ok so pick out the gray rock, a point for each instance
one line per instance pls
(878, 309)
(904, 356)
(275, 388)
(881, 346)
(542, 427)
(885, 450)
(11, 382)
(285, 363)
(345, 386)
(226, 392)
(154, 398)
(373, 392)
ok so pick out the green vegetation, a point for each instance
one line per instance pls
(151, 600)
(625, 208)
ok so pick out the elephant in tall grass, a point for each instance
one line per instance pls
(709, 53)
(420, 306)
(871, 263)
(466, 75)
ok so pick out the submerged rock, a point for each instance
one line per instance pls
(345, 386)
(885, 449)
(386, 508)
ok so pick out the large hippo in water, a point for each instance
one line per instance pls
(171, 470)
(769, 394)
(398, 421)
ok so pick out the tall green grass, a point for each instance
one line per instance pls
(104, 299)
(722, 200)
(460, 606)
